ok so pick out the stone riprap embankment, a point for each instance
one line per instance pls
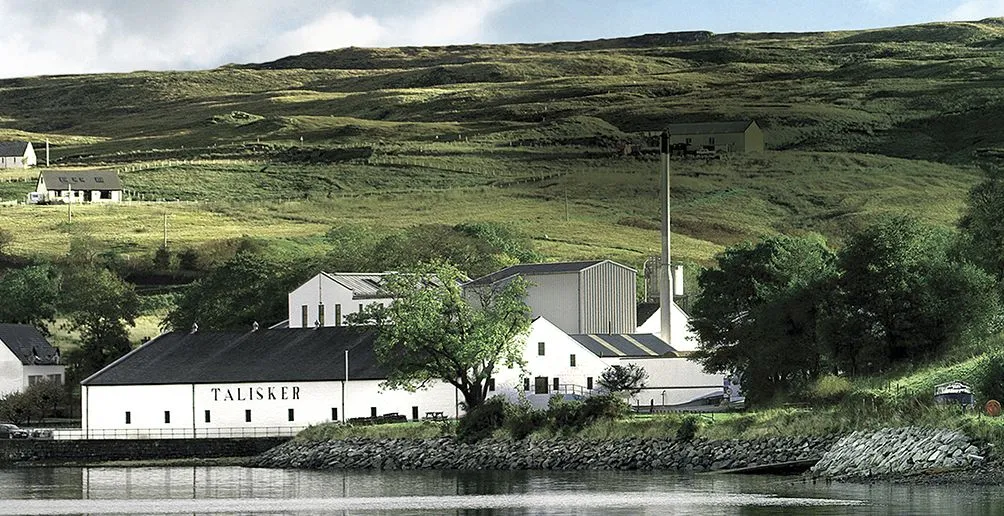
(551, 454)
(898, 452)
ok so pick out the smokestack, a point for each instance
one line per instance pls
(665, 284)
(678, 280)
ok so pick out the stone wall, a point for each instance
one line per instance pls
(551, 454)
(53, 451)
(897, 452)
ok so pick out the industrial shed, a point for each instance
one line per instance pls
(578, 297)
(734, 136)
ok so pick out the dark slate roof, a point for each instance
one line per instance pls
(624, 345)
(282, 355)
(526, 269)
(709, 127)
(646, 310)
(28, 344)
(13, 148)
(81, 179)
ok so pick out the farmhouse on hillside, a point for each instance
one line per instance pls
(737, 136)
(77, 186)
(17, 154)
(26, 358)
(578, 297)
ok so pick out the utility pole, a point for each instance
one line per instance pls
(69, 202)
(46, 152)
(165, 230)
(665, 283)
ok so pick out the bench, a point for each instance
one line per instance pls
(434, 416)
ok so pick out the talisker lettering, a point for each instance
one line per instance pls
(255, 393)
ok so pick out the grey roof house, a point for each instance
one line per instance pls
(17, 154)
(77, 186)
(26, 358)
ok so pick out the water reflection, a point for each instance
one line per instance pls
(260, 491)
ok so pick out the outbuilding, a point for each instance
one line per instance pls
(77, 186)
(328, 298)
(17, 154)
(27, 358)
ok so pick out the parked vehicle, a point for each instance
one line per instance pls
(41, 433)
(9, 431)
(953, 393)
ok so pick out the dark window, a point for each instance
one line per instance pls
(540, 385)
(688, 141)
(208, 419)
(167, 416)
(556, 384)
(540, 348)
(491, 384)
(128, 418)
(304, 320)
(338, 314)
(372, 411)
(334, 414)
(247, 416)
(571, 360)
(320, 314)
(711, 140)
(290, 414)
(589, 382)
(526, 384)
(360, 308)
(414, 413)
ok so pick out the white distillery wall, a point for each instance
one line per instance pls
(336, 299)
(11, 372)
(555, 362)
(675, 380)
(104, 408)
(682, 337)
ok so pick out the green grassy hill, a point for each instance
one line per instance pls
(858, 123)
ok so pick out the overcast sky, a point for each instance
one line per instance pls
(84, 36)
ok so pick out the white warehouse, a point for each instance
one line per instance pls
(328, 298)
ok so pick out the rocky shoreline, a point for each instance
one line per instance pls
(905, 455)
(686, 456)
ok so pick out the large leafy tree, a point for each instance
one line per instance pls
(904, 296)
(30, 296)
(99, 305)
(758, 312)
(434, 330)
(981, 224)
(245, 289)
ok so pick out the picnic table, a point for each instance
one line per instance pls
(435, 416)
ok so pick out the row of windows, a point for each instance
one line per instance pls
(290, 414)
(542, 348)
(305, 319)
(54, 378)
(540, 384)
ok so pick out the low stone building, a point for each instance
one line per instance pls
(735, 136)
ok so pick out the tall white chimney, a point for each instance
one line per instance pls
(665, 283)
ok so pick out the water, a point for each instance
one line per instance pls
(234, 490)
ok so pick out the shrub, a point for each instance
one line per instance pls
(831, 389)
(523, 420)
(482, 421)
(688, 428)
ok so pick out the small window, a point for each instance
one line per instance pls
(526, 384)
(689, 141)
(56, 379)
(208, 419)
(556, 384)
(33, 379)
(338, 314)
(128, 418)
(167, 417)
(571, 360)
(711, 140)
(247, 416)
(304, 318)
(289, 414)
(414, 413)
(320, 314)
(372, 411)
(360, 308)
(540, 348)
(334, 414)
(589, 383)
(491, 384)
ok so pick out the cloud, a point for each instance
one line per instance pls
(977, 10)
(87, 36)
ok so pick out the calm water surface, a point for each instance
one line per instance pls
(234, 490)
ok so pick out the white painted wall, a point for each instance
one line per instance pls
(104, 407)
(47, 372)
(683, 339)
(12, 377)
(681, 379)
(319, 290)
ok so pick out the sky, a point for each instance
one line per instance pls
(90, 36)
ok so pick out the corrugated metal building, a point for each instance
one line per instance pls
(578, 297)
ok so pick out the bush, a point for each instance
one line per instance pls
(522, 420)
(482, 421)
(831, 389)
(688, 428)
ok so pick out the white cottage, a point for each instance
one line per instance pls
(26, 358)
(267, 382)
(77, 186)
(17, 154)
(327, 298)
(578, 297)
